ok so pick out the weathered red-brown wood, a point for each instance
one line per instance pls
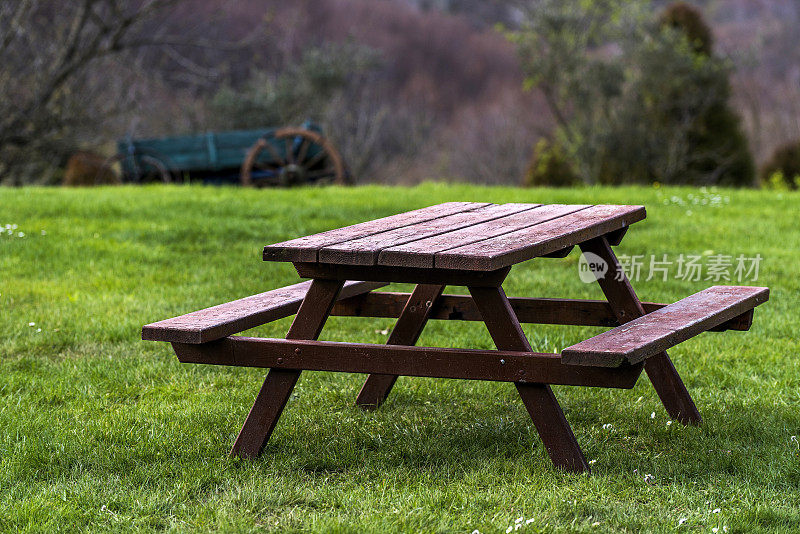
(279, 383)
(466, 364)
(406, 331)
(422, 252)
(620, 294)
(540, 239)
(576, 312)
(365, 250)
(538, 398)
(239, 315)
(411, 275)
(305, 248)
(474, 245)
(657, 331)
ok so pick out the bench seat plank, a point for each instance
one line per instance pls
(233, 317)
(664, 328)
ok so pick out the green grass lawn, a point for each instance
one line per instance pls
(101, 431)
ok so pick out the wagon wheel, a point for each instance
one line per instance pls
(296, 156)
(139, 168)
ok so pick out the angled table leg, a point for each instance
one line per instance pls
(539, 400)
(406, 331)
(620, 294)
(279, 383)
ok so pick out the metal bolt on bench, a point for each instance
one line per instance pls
(465, 244)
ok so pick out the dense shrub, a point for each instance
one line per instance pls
(549, 167)
(689, 20)
(719, 147)
(636, 97)
(783, 168)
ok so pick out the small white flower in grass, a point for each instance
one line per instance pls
(592, 462)
(608, 426)
(681, 521)
(669, 423)
(476, 531)
(519, 520)
(21, 234)
(509, 529)
(596, 524)
(715, 529)
(529, 521)
(649, 479)
(518, 526)
(724, 528)
(31, 324)
(38, 329)
(716, 511)
(653, 415)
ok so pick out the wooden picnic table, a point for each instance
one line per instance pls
(463, 244)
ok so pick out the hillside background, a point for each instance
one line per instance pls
(410, 89)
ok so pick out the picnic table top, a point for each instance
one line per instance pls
(472, 236)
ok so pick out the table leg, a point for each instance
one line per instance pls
(279, 383)
(406, 331)
(539, 400)
(620, 294)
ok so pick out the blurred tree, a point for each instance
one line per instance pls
(68, 67)
(634, 99)
(338, 85)
(301, 91)
(46, 49)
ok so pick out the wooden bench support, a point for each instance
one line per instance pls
(279, 383)
(542, 406)
(576, 312)
(465, 364)
(622, 298)
(406, 332)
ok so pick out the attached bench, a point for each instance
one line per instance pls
(237, 316)
(657, 331)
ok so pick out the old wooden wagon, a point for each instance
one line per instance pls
(270, 156)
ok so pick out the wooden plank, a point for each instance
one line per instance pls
(541, 239)
(305, 248)
(657, 331)
(232, 317)
(542, 406)
(468, 364)
(420, 253)
(380, 273)
(406, 331)
(576, 312)
(278, 386)
(365, 250)
(626, 304)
